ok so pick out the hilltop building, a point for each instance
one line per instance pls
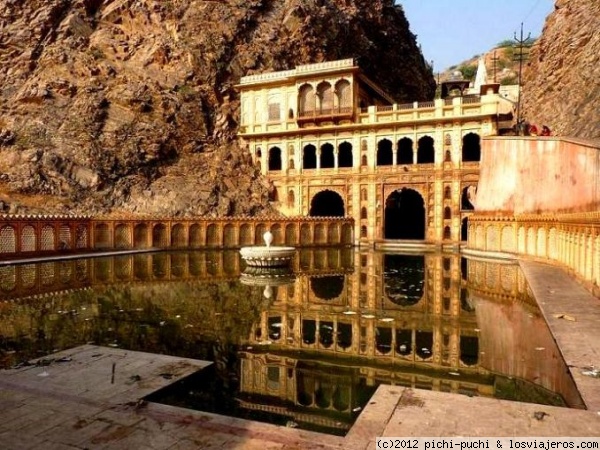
(334, 143)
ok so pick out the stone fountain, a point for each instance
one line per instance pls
(267, 255)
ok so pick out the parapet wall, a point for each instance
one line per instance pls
(38, 235)
(540, 197)
(520, 175)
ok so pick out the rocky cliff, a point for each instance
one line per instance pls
(562, 87)
(129, 106)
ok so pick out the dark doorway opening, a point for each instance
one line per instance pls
(426, 151)
(464, 229)
(327, 159)
(465, 198)
(309, 157)
(385, 153)
(274, 159)
(345, 155)
(327, 204)
(405, 215)
(471, 150)
(405, 151)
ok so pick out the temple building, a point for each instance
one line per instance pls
(334, 143)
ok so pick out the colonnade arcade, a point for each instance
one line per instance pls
(328, 155)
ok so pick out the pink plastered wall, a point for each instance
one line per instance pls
(538, 175)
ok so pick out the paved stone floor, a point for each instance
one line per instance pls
(77, 401)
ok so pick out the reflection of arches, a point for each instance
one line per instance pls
(274, 159)
(465, 198)
(307, 100)
(424, 344)
(383, 340)
(327, 158)
(404, 342)
(404, 278)
(385, 153)
(309, 331)
(309, 157)
(471, 148)
(405, 151)
(405, 215)
(344, 332)
(327, 203)
(469, 350)
(327, 288)
(426, 150)
(345, 155)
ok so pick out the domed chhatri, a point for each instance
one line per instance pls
(267, 256)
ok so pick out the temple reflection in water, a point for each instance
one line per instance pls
(309, 346)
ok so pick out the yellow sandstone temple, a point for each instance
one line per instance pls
(334, 143)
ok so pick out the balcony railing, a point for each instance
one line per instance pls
(326, 113)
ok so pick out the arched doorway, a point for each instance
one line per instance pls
(274, 159)
(327, 204)
(471, 148)
(385, 153)
(309, 157)
(405, 215)
(327, 158)
(405, 151)
(345, 155)
(426, 150)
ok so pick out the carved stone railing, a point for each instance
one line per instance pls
(571, 240)
(39, 235)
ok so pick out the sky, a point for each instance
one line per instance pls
(451, 31)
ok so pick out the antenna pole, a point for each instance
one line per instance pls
(520, 43)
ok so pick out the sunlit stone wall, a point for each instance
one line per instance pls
(540, 198)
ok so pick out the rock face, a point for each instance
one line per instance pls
(130, 106)
(562, 87)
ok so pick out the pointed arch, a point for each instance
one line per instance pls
(309, 157)
(327, 158)
(345, 158)
(307, 100)
(426, 150)
(343, 91)
(325, 94)
(405, 151)
(385, 153)
(471, 147)
(274, 159)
